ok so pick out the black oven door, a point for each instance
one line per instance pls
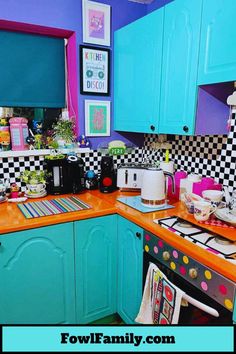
(191, 315)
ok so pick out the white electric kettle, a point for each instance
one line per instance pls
(153, 190)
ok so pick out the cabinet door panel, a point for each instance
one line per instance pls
(95, 254)
(37, 276)
(179, 68)
(130, 265)
(217, 62)
(137, 74)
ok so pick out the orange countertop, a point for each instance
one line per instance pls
(11, 220)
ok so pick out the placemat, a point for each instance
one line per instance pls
(213, 221)
(52, 207)
(135, 203)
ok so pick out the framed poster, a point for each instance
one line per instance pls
(97, 118)
(96, 23)
(94, 71)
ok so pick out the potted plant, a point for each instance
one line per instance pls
(63, 132)
(35, 180)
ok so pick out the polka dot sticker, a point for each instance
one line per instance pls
(185, 259)
(223, 289)
(204, 286)
(208, 274)
(173, 265)
(160, 244)
(175, 254)
(147, 237)
(228, 304)
(182, 270)
(146, 248)
(155, 249)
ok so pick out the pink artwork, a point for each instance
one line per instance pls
(96, 24)
(98, 119)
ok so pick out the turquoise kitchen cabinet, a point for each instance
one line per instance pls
(95, 268)
(37, 276)
(137, 74)
(217, 62)
(180, 67)
(130, 266)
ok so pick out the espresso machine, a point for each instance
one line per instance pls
(107, 182)
(66, 175)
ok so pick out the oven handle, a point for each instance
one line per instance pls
(201, 306)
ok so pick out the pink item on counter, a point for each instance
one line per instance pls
(197, 188)
(177, 177)
(19, 133)
(207, 182)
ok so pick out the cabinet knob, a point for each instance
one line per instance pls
(185, 129)
(138, 234)
(166, 255)
(152, 127)
(193, 273)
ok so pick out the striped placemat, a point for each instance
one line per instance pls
(52, 207)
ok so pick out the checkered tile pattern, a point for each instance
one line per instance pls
(213, 156)
(11, 167)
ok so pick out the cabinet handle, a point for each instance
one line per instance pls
(152, 127)
(185, 129)
(0, 243)
(138, 234)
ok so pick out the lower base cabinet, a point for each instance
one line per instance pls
(130, 260)
(96, 268)
(37, 276)
(71, 273)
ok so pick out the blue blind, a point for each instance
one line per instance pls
(32, 70)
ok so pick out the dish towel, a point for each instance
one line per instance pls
(161, 299)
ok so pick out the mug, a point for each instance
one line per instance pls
(36, 188)
(203, 210)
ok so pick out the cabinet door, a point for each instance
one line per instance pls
(95, 262)
(137, 74)
(217, 62)
(180, 66)
(130, 269)
(37, 276)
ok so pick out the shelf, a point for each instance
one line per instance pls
(41, 152)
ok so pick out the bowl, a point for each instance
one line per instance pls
(213, 196)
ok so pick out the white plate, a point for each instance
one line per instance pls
(35, 195)
(225, 215)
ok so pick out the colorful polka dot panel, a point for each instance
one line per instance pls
(207, 280)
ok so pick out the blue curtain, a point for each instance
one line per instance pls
(32, 70)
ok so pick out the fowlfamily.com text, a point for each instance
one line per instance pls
(127, 338)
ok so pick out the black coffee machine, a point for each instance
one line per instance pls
(107, 183)
(66, 175)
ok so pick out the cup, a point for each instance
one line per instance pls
(213, 196)
(36, 188)
(203, 210)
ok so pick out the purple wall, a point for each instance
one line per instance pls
(67, 14)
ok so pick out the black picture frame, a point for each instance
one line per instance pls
(94, 71)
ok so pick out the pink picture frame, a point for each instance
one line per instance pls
(96, 23)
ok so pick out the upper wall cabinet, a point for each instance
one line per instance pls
(137, 74)
(217, 51)
(179, 67)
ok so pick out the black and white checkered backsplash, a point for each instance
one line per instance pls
(211, 155)
(11, 167)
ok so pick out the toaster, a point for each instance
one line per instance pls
(129, 176)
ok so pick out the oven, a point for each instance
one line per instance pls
(196, 280)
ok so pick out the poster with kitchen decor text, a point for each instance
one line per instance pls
(94, 71)
(97, 118)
